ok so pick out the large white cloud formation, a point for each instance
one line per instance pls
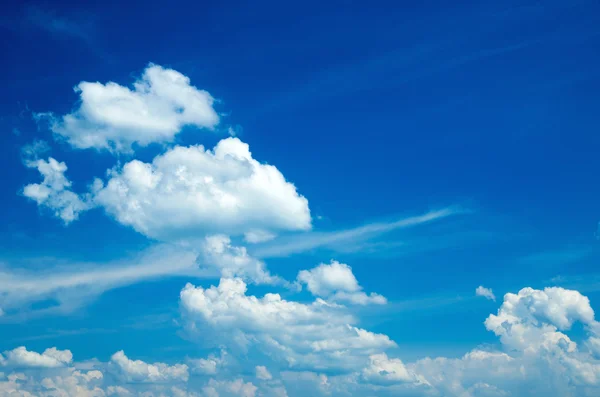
(535, 356)
(325, 355)
(336, 282)
(316, 335)
(111, 116)
(185, 193)
(190, 191)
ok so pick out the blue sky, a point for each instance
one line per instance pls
(419, 150)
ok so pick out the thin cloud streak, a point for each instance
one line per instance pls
(71, 287)
(285, 246)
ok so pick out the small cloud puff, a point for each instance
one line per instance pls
(485, 292)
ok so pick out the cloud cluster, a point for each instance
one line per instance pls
(313, 349)
(315, 335)
(336, 282)
(185, 193)
(535, 355)
(114, 117)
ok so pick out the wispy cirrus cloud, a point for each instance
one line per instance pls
(293, 244)
(69, 287)
(53, 23)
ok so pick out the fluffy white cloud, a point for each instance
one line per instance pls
(140, 371)
(336, 282)
(531, 319)
(485, 292)
(55, 192)
(316, 335)
(20, 357)
(189, 192)
(111, 116)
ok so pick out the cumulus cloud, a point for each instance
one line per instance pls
(140, 371)
(532, 319)
(110, 116)
(311, 335)
(336, 282)
(189, 192)
(535, 355)
(54, 374)
(485, 292)
(54, 192)
(538, 358)
(20, 357)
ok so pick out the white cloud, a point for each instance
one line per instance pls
(336, 282)
(263, 373)
(538, 358)
(189, 192)
(317, 335)
(39, 376)
(20, 357)
(485, 292)
(140, 371)
(111, 116)
(55, 192)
